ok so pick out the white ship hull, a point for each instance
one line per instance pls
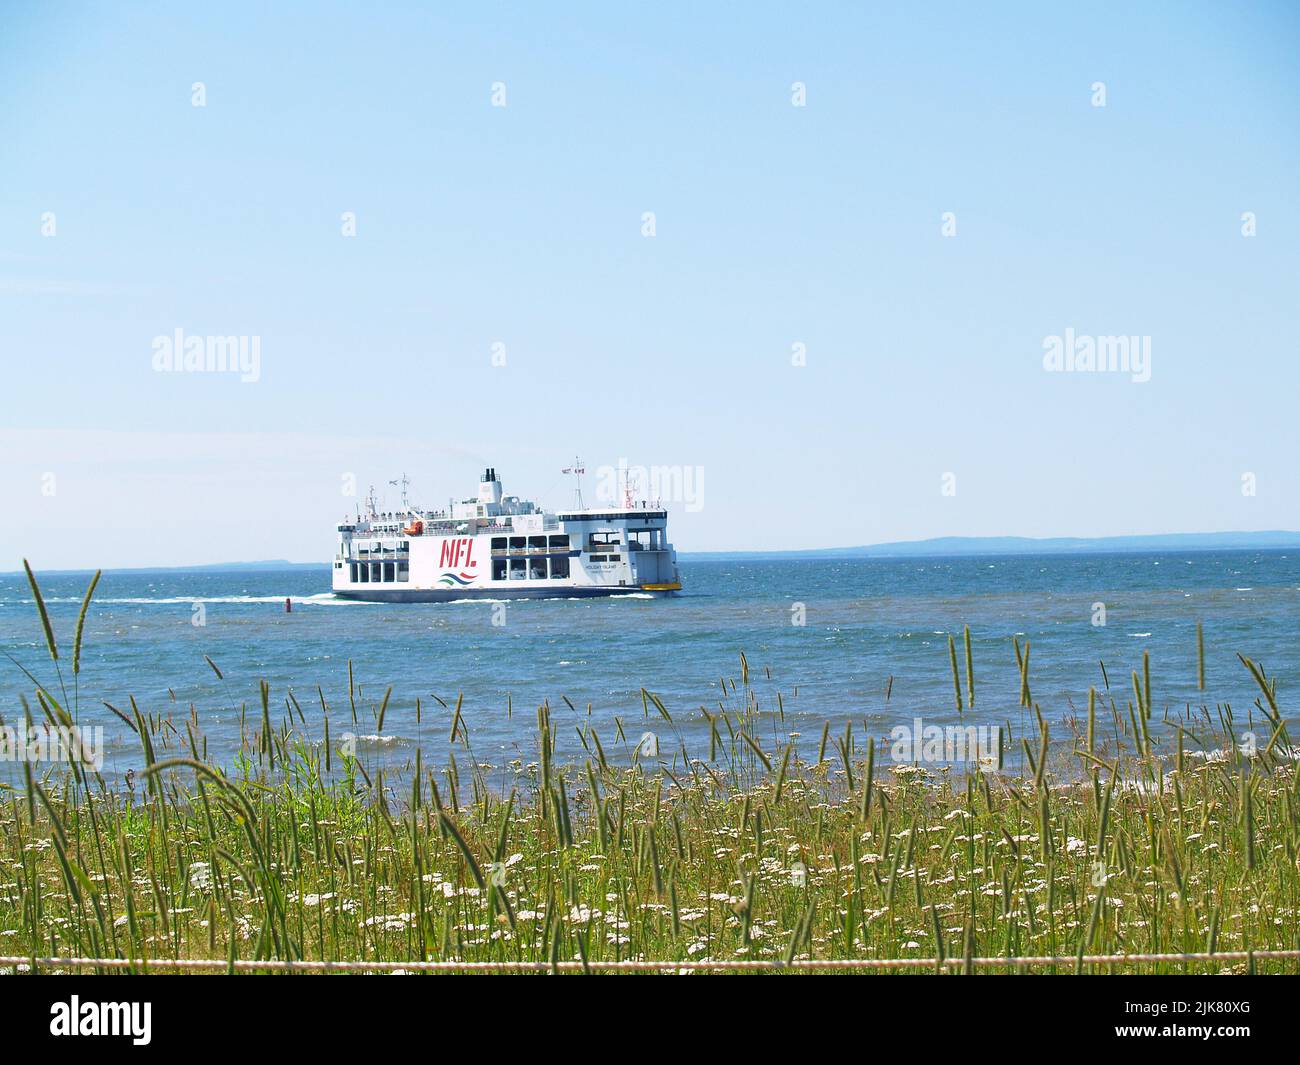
(430, 595)
(501, 548)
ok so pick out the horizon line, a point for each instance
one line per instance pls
(956, 546)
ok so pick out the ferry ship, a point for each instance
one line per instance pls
(496, 546)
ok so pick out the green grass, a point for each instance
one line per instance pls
(1106, 842)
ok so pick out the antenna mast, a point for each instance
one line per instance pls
(577, 470)
(404, 482)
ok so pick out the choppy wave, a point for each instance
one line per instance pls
(319, 599)
(872, 619)
(379, 741)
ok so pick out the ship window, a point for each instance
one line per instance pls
(498, 543)
(388, 571)
(354, 573)
(498, 569)
(403, 571)
(599, 558)
(537, 569)
(518, 569)
(560, 568)
(518, 543)
(560, 543)
(646, 515)
(537, 543)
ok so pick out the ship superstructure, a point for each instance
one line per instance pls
(496, 546)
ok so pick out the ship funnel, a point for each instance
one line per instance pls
(489, 489)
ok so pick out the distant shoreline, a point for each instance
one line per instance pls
(1014, 546)
(941, 547)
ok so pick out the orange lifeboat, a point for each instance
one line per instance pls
(415, 528)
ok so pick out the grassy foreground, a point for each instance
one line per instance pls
(774, 847)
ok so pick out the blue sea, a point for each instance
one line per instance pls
(839, 639)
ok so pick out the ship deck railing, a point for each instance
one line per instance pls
(453, 528)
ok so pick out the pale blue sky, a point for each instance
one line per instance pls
(775, 225)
